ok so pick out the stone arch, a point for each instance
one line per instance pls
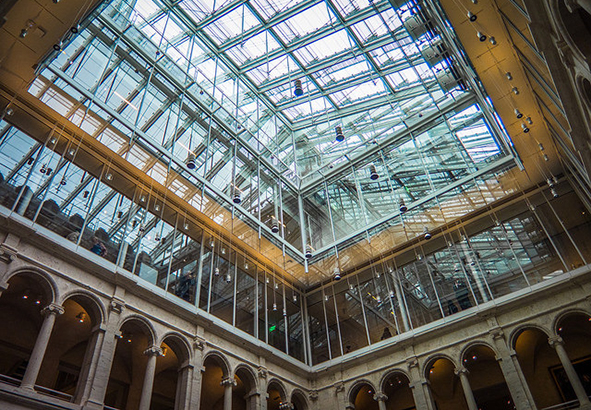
(432, 359)
(356, 387)
(143, 323)
(563, 315)
(390, 373)
(220, 360)
(584, 88)
(90, 302)
(245, 373)
(476, 343)
(299, 400)
(566, 22)
(514, 335)
(179, 344)
(47, 283)
(278, 385)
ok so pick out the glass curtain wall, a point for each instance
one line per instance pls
(420, 282)
(142, 235)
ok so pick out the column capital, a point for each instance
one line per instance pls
(52, 309)
(379, 396)
(252, 393)
(153, 351)
(461, 370)
(228, 381)
(313, 395)
(555, 341)
(285, 406)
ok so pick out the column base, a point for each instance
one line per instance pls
(28, 387)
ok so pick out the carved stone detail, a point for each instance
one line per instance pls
(117, 305)
(7, 253)
(263, 372)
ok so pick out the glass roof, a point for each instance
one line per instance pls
(355, 60)
(159, 81)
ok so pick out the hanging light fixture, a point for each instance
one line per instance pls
(190, 161)
(402, 206)
(309, 250)
(237, 199)
(274, 226)
(298, 90)
(81, 316)
(216, 271)
(481, 36)
(525, 128)
(340, 137)
(337, 273)
(228, 278)
(426, 233)
(518, 114)
(373, 172)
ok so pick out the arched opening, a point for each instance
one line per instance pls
(299, 401)
(538, 360)
(243, 398)
(20, 321)
(362, 397)
(578, 27)
(397, 388)
(445, 385)
(486, 379)
(169, 374)
(275, 395)
(129, 364)
(212, 391)
(575, 330)
(69, 351)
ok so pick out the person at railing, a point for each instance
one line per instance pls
(98, 247)
(185, 285)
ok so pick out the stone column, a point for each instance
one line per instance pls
(558, 344)
(50, 312)
(104, 361)
(228, 384)
(463, 373)
(516, 382)
(421, 391)
(381, 399)
(152, 352)
(91, 356)
(339, 389)
(183, 387)
(197, 375)
(253, 400)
